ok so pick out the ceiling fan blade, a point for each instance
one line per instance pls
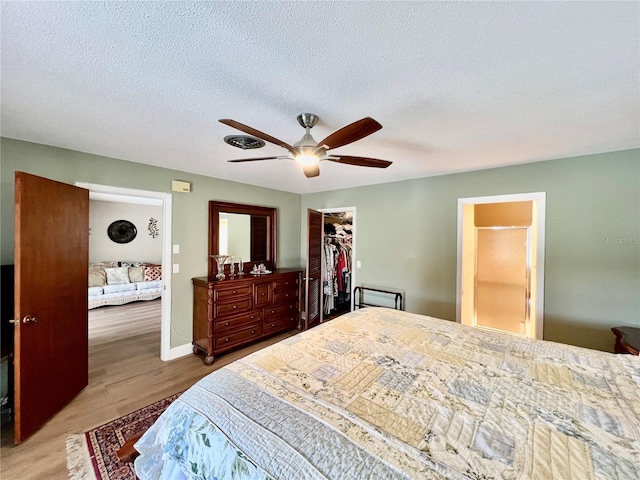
(239, 160)
(360, 161)
(350, 133)
(257, 133)
(311, 171)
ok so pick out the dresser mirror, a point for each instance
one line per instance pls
(245, 231)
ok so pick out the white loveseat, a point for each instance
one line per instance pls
(117, 283)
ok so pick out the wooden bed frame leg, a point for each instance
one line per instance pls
(127, 453)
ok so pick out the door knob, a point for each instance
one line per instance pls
(26, 319)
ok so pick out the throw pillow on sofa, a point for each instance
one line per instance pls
(152, 273)
(136, 274)
(117, 276)
(97, 277)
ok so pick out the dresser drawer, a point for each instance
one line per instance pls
(285, 296)
(281, 310)
(281, 323)
(237, 322)
(290, 282)
(232, 292)
(235, 338)
(229, 308)
(262, 294)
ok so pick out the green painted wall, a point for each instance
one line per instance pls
(406, 231)
(190, 211)
(406, 234)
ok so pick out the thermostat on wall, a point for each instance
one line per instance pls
(179, 186)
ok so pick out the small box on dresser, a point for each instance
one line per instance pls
(241, 310)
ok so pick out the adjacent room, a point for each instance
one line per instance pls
(429, 267)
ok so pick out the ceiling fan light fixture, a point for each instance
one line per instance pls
(307, 159)
(310, 153)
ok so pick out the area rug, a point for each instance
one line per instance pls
(93, 454)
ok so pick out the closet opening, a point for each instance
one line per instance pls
(338, 262)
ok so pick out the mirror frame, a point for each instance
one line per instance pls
(216, 208)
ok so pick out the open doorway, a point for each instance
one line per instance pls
(501, 263)
(330, 258)
(338, 261)
(140, 199)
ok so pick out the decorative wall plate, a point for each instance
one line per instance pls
(122, 231)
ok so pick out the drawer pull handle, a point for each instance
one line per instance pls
(252, 317)
(226, 339)
(273, 324)
(226, 324)
(253, 331)
(235, 306)
(233, 292)
(286, 294)
(273, 311)
(262, 294)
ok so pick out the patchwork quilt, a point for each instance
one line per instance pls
(385, 394)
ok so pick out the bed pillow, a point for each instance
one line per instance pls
(152, 273)
(116, 276)
(136, 274)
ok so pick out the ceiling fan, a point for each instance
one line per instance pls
(308, 152)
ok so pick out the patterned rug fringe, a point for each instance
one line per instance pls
(78, 460)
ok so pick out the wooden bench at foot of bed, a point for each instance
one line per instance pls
(127, 453)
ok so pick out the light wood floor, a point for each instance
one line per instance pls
(125, 373)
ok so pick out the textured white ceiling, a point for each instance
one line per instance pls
(457, 86)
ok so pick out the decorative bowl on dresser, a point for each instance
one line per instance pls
(240, 310)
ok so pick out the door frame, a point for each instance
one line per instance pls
(353, 241)
(539, 199)
(101, 192)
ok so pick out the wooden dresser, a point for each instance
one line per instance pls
(240, 310)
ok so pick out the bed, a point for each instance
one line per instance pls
(387, 394)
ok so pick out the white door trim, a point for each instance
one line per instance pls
(541, 199)
(130, 195)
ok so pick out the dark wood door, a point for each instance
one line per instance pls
(313, 280)
(50, 329)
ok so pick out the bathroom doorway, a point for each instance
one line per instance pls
(501, 263)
